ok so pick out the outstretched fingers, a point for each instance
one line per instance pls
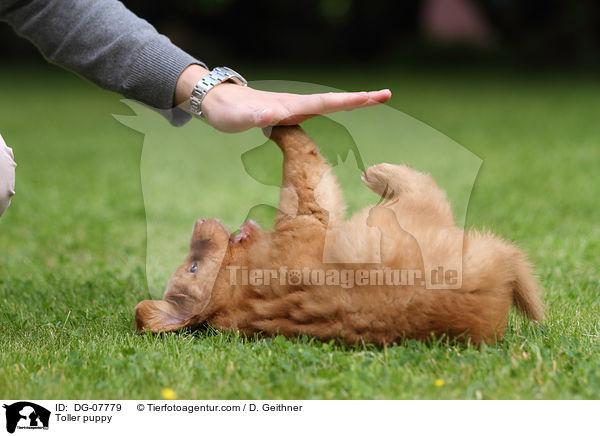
(297, 108)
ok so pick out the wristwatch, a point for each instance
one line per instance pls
(217, 76)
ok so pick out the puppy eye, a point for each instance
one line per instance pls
(194, 268)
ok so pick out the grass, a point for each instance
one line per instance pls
(73, 253)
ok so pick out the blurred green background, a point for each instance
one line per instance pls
(73, 251)
(521, 95)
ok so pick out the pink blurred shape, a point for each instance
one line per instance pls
(452, 21)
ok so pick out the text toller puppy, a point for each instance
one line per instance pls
(285, 282)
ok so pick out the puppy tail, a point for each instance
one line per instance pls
(526, 293)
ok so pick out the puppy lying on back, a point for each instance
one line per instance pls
(277, 282)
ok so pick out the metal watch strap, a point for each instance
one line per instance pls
(217, 76)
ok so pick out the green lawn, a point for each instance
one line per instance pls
(73, 251)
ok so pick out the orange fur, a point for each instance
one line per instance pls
(416, 232)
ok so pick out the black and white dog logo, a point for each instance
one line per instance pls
(26, 415)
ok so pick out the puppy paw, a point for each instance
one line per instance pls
(249, 230)
(389, 181)
(380, 179)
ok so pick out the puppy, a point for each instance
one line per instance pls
(279, 282)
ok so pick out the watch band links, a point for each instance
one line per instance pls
(217, 76)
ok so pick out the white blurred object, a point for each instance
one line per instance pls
(7, 175)
(453, 21)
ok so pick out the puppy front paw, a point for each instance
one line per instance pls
(249, 230)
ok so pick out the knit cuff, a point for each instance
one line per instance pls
(153, 76)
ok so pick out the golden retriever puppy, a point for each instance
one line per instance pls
(286, 282)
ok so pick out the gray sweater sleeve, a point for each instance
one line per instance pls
(106, 43)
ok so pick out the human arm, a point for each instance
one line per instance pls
(104, 42)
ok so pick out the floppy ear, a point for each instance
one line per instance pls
(159, 316)
(179, 308)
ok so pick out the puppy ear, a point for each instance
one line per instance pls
(159, 316)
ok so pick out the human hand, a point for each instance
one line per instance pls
(234, 108)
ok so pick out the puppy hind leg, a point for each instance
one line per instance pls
(414, 192)
(390, 181)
